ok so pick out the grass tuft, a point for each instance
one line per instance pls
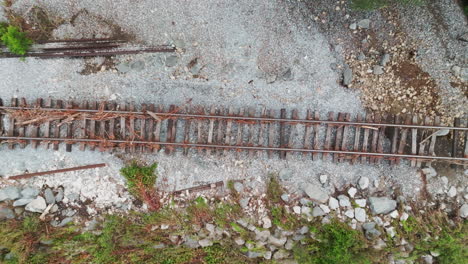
(15, 40)
(140, 183)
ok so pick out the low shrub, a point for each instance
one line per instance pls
(15, 40)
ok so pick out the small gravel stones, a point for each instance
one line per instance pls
(363, 183)
(360, 214)
(37, 205)
(315, 193)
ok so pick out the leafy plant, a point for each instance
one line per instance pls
(140, 183)
(337, 243)
(15, 40)
(274, 189)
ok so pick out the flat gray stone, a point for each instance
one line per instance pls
(364, 23)
(9, 193)
(6, 213)
(191, 243)
(59, 196)
(65, 221)
(123, 67)
(137, 65)
(171, 61)
(277, 242)
(347, 75)
(281, 254)
(239, 187)
(49, 196)
(360, 214)
(377, 70)
(317, 211)
(385, 59)
(37, 205)
(22, 202)
(382, 205)
(244, 202)
(353, 26)
(30, 192)
(316, 193)
(205, 242)
(285, 197)
(464, 211)
(262, 235)
(253, 254)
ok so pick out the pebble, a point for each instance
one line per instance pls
(244, 202)
(59, 196)
(464, 211)
(306, 210)
(385, 59)
(297, 209)
(6, 213)
(377, 70)
(352, 192)
(364, 23)
(304, 230)
(267, 255)
(381, 205)
(390, 231)
(205, 242)
(266, 222)
(444, 180)
(285, 197)
(239, 241)
(363, 183)
(9, 193)
(452, 192)
(317, 211)
(394, 214)
(347, 75)
(344, 201)
(404, 216)
(429, 172)
(281, 254)
(325, 208)
(239, 187)
(323, 178)
(353, 26)
(123, 67)
(22, 202)
(316, 193)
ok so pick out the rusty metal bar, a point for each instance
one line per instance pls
(29, 175)
(195, 145)
(243, 118)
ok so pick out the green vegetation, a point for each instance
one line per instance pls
(274, 189)
(336, 243)
(435, 232)
(140, 183)
(15, 40)
(283, 218)
(376, 4)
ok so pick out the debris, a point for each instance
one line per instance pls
(29, 175)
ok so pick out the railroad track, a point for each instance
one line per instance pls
(107, 126)
(84, 48)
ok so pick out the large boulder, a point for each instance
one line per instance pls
(315, 193)
(382, 205)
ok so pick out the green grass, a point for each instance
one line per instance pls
(337, 243)
(139, 176)
(280, 217)
(274, 189)
(15, 40)
(376, 4)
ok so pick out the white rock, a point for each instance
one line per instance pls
(429, 172)
(428, 259)
(349, 213)
(376, 183)
(297, 209)
(317, 211)
(361, 202)
(344, 201)
(164, 227)
(38, 205)
(325, 208)
(315, 193)
(306, 210)
(444, 180)
(404, 216)
(464, 211)
(352, 192)
(205, 242)
(452, 192)
(333, 203)
(394, 214)
(360, 214)
(266, 222)
(390, 231)
(353, 26)
(239, 241)
(435, 253)
(363, 183)
(323, 178)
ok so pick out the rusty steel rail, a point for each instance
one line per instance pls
(125, 127)
(85, 48)
(30, 175)
(237, 118)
